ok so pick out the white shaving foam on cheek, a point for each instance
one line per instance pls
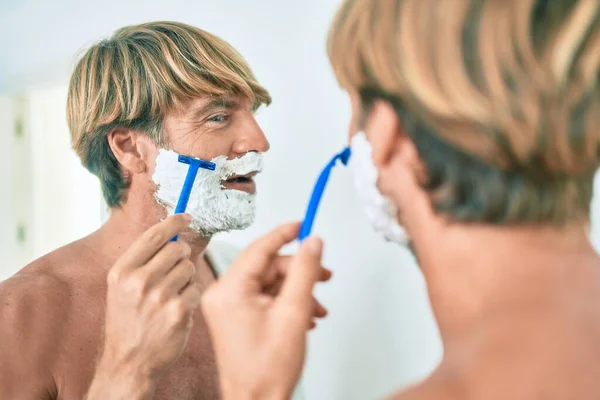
(213, 208)
(380, 210)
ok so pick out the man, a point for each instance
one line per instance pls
(136, 101)
(481, 129)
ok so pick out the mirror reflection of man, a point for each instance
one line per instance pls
(136, 100)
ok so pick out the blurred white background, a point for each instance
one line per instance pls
(380, 333)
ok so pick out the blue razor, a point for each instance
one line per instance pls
(195, 164)
(317, 193)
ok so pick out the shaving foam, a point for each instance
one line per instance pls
(380, 210)
(212, 207)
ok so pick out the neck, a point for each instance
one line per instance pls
(474, 272)
(128, 222)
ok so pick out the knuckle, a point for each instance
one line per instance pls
(184, 249)
(196, 295)
(179, 250)
(158, 297)
(153, 237)
(137, 284)
(190, 268)
(280, 235)
(114, 276)
(194, 298)
(178, 310)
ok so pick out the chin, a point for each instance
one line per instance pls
(207, 231)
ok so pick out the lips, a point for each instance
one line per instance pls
(244, 183)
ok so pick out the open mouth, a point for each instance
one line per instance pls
(244, 183)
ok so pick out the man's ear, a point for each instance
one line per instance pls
(387, 137)
(382, 129)
(130, 148)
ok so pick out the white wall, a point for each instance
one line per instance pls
(8, 236)
(49, 198)
(66, 199)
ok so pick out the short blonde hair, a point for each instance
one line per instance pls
(135, 77)
(501, 97)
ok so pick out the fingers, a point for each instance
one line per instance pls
(184, 305)
(178, 278)
(318, 310)
(166, 258)
(255, 261)
(153, 240)
(191, 296)
(283, 266)
(274, 278)
(304, 272)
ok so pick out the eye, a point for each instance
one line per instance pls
(219, 118)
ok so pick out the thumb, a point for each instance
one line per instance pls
(303, 274)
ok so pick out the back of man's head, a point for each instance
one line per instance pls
(137, 76)
(501, 98)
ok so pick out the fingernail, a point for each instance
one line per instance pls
(187, 217)
(314, 245)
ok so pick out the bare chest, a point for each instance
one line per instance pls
(192, 377)
(78, 348)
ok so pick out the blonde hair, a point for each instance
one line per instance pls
(135, 77)
(501, 97)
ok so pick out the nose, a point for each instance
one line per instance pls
(251, 138)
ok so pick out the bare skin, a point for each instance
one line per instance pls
(53, 323)
(517, 307)
(52, 311)
(522, 327)
(528, 332)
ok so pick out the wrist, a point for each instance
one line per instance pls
(120, 381)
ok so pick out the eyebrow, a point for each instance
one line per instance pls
(214, 103)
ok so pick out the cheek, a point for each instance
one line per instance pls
(214, 146)
(151, 162)
(390, 180)
(396, 182)
(204, 146)
(148, 152)
(384, 181)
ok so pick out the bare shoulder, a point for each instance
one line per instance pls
(442, 384)
(31, 293)
(34, 305)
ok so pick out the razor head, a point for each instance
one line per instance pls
(345, 155)
(197, 162)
